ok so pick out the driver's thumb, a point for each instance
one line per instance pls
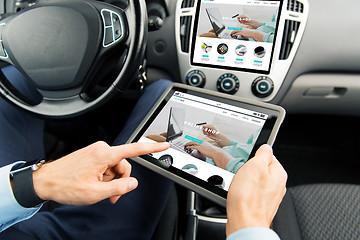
(118, 187)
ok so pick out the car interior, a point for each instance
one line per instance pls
(310, 66)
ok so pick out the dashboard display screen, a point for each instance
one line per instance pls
(238, 35)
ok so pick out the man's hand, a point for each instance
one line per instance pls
(91, 174)
(256, 192)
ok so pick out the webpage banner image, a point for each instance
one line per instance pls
(209, 140)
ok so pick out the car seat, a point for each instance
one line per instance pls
(319, 211)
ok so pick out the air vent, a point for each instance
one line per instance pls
(290, 31)
(295, 6)
(185, 28)
(187, 3)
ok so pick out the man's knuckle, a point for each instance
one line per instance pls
(100, 145)
(100, 149)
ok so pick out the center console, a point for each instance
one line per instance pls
(244, 47)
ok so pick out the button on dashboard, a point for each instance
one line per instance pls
(228, 83)
(196, 78)
(262, 87)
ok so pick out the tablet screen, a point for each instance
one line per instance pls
(237, 35)
(210, 138)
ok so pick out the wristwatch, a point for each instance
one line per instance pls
(22, 183)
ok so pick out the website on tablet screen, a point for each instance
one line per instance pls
(208, 139)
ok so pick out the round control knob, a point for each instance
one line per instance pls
(228, 83)
(196, 78)
(262, 87)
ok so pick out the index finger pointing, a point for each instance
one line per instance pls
(136, 149)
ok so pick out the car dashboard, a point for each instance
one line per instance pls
(314, 75)
(314, 69)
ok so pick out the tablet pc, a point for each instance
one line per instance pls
(211, 136)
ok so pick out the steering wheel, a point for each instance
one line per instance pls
(68, 49)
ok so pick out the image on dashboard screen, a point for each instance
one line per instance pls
(236, 34)
(208, 139)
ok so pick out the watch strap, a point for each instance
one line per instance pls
(23, 188)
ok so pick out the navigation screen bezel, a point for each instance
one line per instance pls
(196, 22)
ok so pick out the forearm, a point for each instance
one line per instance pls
(255, 24)
(268, 37)
(221, 158)
(234, 164)
(258, 36)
